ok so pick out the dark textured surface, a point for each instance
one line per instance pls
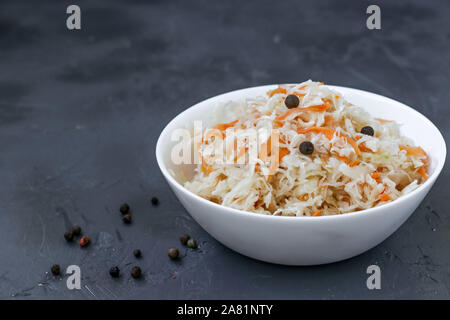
(80, 113)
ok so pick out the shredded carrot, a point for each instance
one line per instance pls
(257, 114)
(363, 147)
(354, 163)
(300, 95)
(326, 100)
(283, 152)
(206, 169)
(317, 108)
(286, 114)
(423, 173)
(271, 93)
(418, 152)
(224, 126)
(385, 197)
(212, 134)
(383, 120)
(330, 121)
(240, 153)
(375, 175)
(414, 151)
(329, 133)
(265, 149)
(304, 197)
(317, 214)
(345, 159)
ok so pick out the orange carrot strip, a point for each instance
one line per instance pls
(414, 151)
(240, 153)
(212, 133)
(423, 173)
(385, 197)
(271, 93)
(317, 108)
(300, 95)
(330, 121)
(383, 120)
(363, 148)
(283, 152)
(347, 161)
(317, 214)
(329, 133)
(375, 175)
(224, 126)
(265, 149)
(205, 168)
(304, 197)
(354, 163)
(418, 152)
(327, 100)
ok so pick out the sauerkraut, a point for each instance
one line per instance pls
(347, 171)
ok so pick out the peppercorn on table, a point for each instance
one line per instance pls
(81, 110)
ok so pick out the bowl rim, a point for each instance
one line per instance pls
(428, 183)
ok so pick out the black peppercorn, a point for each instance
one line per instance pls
(173, 253)
(76, 230)
(56, 269)
(68, 236)
(136, 272)
(127, 218)
(184, 239)
(114, 272)
(155, 201)
(368, 130)
(306, 147)
(192, 243)
(291, 101)
(137, 253)
(124, 208)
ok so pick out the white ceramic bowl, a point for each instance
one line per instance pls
(304, 240)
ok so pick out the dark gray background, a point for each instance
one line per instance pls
(80, 113)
